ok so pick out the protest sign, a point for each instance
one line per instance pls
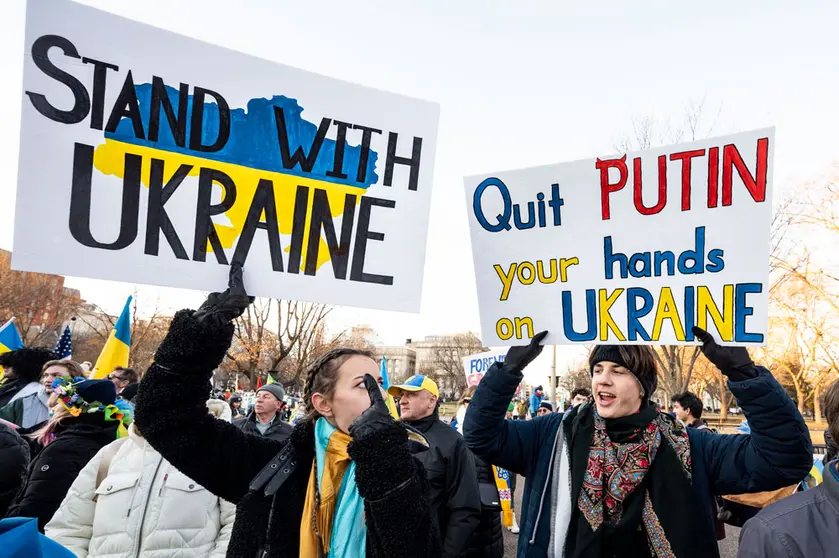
(632, 248)
(152, 158)
(475, 366)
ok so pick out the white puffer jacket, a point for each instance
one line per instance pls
(144, 507)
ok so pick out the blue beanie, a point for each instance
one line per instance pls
(103, 391)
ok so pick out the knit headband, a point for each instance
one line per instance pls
(611, 353)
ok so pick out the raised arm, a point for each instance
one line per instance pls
(171, 407)
(514, 444)
(777, 453)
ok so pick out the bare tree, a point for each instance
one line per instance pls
(447, 360)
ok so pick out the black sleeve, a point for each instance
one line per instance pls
(171, 411)
(395, 497)
(14, 457)
(464, 499)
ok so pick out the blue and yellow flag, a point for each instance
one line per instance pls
(115, 351)
(391, 404)
(9, 339)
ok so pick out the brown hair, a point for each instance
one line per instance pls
(639, 359)
(323, 375)
(73, 368)
(831, 409)
(128, 374)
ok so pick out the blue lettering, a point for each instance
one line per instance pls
(634, 314)
(742, 311)
(503, 223)
(611, 258)
(715, 261)
(591, 316)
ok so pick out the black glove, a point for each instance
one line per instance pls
(222, 308)
(734, 362)
(519, 357)
(375, 419)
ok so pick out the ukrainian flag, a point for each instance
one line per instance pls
(391, 404)
(9, 339)
(115, 351)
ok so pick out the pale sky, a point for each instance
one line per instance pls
(519, 84)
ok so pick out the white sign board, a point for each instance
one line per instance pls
(149, 157)
(475, 366)
(633, 248)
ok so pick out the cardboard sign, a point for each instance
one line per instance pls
(632, 248)
(475, 366)
(152, 158)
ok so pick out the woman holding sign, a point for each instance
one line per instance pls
(345, 483)
(616, 477)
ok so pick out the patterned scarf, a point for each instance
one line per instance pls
(631, 480)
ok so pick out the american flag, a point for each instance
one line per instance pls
(64, 348)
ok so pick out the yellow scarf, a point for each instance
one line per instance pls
(319, 508)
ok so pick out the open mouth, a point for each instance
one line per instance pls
(605, 398)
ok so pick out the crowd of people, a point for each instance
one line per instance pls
(158, 467)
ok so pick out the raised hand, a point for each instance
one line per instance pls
(375, 419)
(734, 362)
(519, 357)
(223, 308)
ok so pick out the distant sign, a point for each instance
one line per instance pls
(149, 157)
(633, 248)
(476, 365)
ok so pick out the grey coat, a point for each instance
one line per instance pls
(278, 430)
(804, 525)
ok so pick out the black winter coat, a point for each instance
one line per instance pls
(487, 540)
(9, 389)
(278, 430)
(14, 462)
(53, 470)
(454, 494)
(170, 411)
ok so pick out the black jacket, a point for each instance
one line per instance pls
(487, 541)
(454, 495)
(9, 388)
(170, 411)
(14, 462)
(53, 470)
(278, 430)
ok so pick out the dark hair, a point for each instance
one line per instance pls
(831, 409)
(322, 375)
(128, 374)
(690, 402)
(585, 392)
(73, 368)
(639, 359)
(27, 363)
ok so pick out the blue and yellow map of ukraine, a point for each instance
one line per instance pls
(250, 154)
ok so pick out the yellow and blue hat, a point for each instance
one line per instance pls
(416, 383)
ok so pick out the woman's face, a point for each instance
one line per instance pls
(617, 392)
(350, 398)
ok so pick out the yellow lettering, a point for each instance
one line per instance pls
(506, 279)
(666, 310)
(531, 273)
(504, 329)
(564, 264)
(524, 322)
(606, 320)
(540, 269)
(705, 305)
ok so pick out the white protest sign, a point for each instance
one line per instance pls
(152, 158)
(633, 248)
(475, 366)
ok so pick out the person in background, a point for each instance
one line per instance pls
(545, 408)
(129, 501)
(522, 407)
(688, 409)
(236, 407)
(537, 397)
(454, 496)
(123, 378)
(266, 418)
(807, 523)
(487, 541)
(580, 396)
(85, 421)
(33, 410)
(21, 379)
(14, 463)
(656, 501)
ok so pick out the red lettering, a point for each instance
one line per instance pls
(713, 175)
(606, 187)
(685, 157)
(756, 185)
(662, 187)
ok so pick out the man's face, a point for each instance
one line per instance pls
(9, 372)
(51, 374)
(117, 379)
(538, 393)
(578, 399)
(266, 404)
(617, 393)
(681, 413)
(237, 404)
(416, 405)
(541, 411)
